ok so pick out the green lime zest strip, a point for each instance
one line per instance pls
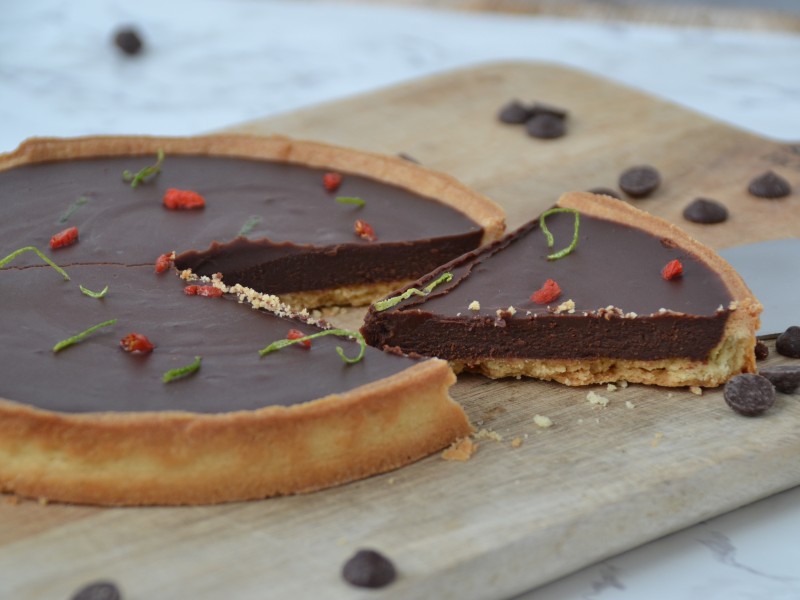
(382, 305)
(92, 294)
(249, 225)
(73, 207)
(80, 336)
(139, 177)
(174, 374)
(39, 253)
(342, 332)
(350, 200)
(549, 236)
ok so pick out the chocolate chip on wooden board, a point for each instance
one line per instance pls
(514, 113)
(761, 351)
(769, 185)
(99, 590)
(788, 343)
(785, 378)
(749, 395)
(639, 181)
(546, 126)
(128, 41)
(370, 569)
(705, 211)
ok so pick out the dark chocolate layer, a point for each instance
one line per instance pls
(623, 308)
(39, 309)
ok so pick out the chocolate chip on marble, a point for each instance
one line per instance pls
(604, 191)
(369, 568)
(705, 211)
(788, 343)
(128, 41)
(99, 590)
(545, 126)
(514, 113)
(785, 378)
(769, 185)
(749, 395)
(639, 181)
(762, 351)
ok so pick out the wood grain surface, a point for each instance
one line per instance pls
(599, 481)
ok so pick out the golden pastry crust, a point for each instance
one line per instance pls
(176, 458)
(733, 355)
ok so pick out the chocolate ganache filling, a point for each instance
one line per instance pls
(623, 307)
(255, 212)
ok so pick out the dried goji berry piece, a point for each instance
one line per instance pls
(673, 269)
(549, 292)
(208, 291)
(136, 342)
(183, 199)
(296, 334)
(164, 262)
(64, 238)
(364, 230)
(331, 181)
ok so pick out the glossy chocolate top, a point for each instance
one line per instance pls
(613, 266)
(122, 231)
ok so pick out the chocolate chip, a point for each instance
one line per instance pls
(706, 211)
(785, 378)
(769, 185)
(514, 113)
(762, 351)
(749, 395)
(546, 126)
(604, 191)
(99, 590)
(368, 568)
(639, 181)
(128, 41)
(788, 343)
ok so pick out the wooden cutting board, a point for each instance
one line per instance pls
(599, 481)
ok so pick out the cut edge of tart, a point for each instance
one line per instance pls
(733, 354)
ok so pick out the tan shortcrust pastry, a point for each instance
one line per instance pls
(185, 458)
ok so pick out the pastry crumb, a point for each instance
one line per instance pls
(656, 439)
(488, 434)
(342, 541)
(611, 387)
(629, 404)
(542, 421)
(567, 306)
(461, 450)
(474, 305)
(696, 390)
(43, 501)
(623, 384)
(516, 442)
(596, 399)
(390, 481)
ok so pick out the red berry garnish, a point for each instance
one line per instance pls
(64, 238)
(331, 181)
(296, 334)
(164, 262)
(549, 292)
(672, 270)
(364, 230)
(209, 291)
(183, 200)
(136, 342)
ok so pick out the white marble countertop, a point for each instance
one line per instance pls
(209, 64)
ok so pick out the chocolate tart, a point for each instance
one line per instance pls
(617, 317)
(94, 424)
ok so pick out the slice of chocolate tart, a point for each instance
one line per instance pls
(124, 384)
(312, 223)
(618, 295)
